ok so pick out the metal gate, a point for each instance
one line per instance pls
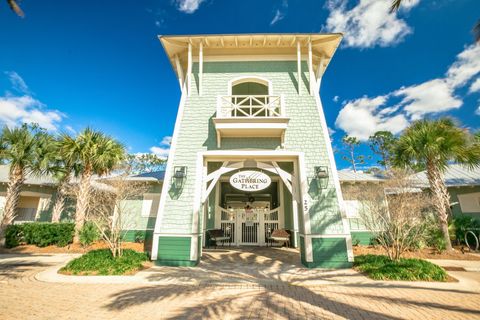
(249, 228)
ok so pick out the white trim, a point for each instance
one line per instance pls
(168, 174)
(185, 235)
(319, 73)
(200, 69)
(315, 236)
(189, 70)
(336, 180)
(310, 69)
(250, 78)
(304, 205)
(252, 57)
(179, 71)
(201, 173)
(299, 68)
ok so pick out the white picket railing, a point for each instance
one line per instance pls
(250, 106)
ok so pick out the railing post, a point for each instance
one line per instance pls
(282, 105)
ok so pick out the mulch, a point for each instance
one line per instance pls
(426, 253)
(71, 248)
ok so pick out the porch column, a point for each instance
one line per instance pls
(179, 72)
(299, 67)
(310, 68)
(200, 69)
(189, 69)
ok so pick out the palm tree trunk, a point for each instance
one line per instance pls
(83, 198)
(16, 179)
(60, 198)
(441, 197)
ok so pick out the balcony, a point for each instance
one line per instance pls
(249, 116)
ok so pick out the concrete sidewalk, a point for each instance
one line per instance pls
(226, 285)
(259, 268)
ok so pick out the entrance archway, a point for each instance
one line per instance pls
(250, 221)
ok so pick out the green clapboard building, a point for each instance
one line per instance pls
(251, 151)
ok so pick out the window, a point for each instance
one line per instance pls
(150, 205)
(352, 208)
(469, 202)
(250, 96)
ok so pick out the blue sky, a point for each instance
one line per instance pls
(72, 64)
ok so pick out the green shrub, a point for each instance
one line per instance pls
(13, 234)
(462, 224)
(88, 234)
(380, 267)
(101, 262)
(436, 240)
(41, 234)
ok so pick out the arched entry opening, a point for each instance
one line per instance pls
(248, 217)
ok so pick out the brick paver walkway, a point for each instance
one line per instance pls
(337, 297)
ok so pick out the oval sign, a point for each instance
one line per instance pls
(250, 180)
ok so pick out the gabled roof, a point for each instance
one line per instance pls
(346, 175)
(156, 176)
(455, 176)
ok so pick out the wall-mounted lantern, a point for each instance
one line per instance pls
(179, 177)
(321, 176)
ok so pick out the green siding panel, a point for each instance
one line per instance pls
(329, 253)
(174, 251)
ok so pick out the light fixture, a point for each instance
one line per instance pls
(179, 177)
(321, 176)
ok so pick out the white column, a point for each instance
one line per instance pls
(200, 69)
(319, 73)
(179, 71)
(189, 69)
(310, 68)
(299, 67)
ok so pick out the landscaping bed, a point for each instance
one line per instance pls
(426, 253)
(101, 262)
(379, 267)
(71, 248)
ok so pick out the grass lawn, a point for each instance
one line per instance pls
(379, 267)
(101, 262)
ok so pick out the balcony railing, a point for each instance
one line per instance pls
(250, 106)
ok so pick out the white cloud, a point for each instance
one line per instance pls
(164, 148)
(465, 67)
(278, 16)
(363, 117)
(25, 109)
(475, 87)
(429, 97)
(336, 98)
(188, 6)
(17, 82)
(166, 141)
(478, 111)
(369, 23)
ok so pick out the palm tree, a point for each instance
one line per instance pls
(435, 144)
(63, 169)
(92, 153)
(15, 7)
(28, 150)
(476, 28)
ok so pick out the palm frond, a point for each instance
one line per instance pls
(15, 8)
(395, 5)
(476, 31)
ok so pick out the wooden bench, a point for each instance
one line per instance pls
(217, 235)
